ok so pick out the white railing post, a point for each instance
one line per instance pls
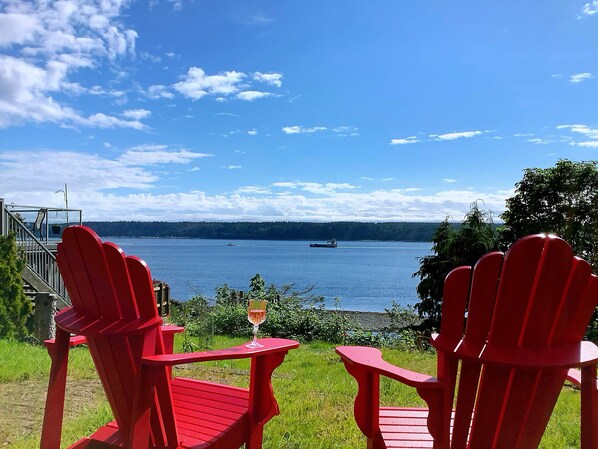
(3, 226)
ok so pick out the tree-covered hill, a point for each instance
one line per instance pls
(343, 231)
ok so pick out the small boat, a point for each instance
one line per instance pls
(328, 244)
(231, 244)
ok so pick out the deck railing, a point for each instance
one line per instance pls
(38, 257)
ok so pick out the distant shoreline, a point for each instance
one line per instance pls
(291, 231)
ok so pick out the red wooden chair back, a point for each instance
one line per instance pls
(513, 321)
(110, 290)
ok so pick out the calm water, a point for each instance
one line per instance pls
(365, 276)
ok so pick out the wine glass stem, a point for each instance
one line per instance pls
(255, 333)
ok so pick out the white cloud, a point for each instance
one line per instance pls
(405, 141)
(273, 79)
(589, 144)
(286, 184)
(589, 9)
(96, 183)
(158, 154)
(17, 28)
(253, 190)
(591, 133)
(579, 77)
(251, 95)
(48, 41)
(302, 130)
(252, 132)
(197, 84)
(540, 141)
(158, 91)
(315, 187)
(23, 88)
(23, 172)
(449, 180)
(346, 131)
(137, 114)
(255, 20)
(101, 120)
(147, 56)
(98, 90)
(457, 135)
(232, 167)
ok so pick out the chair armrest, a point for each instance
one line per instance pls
(171, 329)
(370, 359)
(366, 365)
(75, 340)
(270, 346)
(574, 376)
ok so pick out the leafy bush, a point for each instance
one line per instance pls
(364, 338)
(15, 307)
(405, 331)
(291, 314)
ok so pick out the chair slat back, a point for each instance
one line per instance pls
(106, 285)
(536, 296)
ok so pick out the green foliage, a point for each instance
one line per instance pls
(562, 200)
(452, 248)
(195, 316)
(291, 314)
(404, 331)
(364, 338)
(15, 307)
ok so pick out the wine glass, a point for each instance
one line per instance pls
(256, 314)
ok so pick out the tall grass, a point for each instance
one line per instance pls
(314, 392)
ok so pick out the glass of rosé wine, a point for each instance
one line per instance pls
(256, 314)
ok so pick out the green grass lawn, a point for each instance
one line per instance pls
(314, 392)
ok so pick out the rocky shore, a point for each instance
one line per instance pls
(370, 321)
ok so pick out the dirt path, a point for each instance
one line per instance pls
(22, 405)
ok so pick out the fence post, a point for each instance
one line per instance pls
(44, 327)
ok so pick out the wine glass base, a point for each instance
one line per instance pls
(253, 345)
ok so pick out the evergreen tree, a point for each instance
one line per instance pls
(452, 247)
(15, 307)
(562, 200)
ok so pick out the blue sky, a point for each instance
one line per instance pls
(278, 110)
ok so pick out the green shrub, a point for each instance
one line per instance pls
(15, 307)
(405, 331)
(291, 314)
(363, 338)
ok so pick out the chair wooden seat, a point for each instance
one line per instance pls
(415, 419)
(511, 329)
(208, 415)
(114, 312)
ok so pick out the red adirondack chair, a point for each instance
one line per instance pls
(511, 328)
(114, 312)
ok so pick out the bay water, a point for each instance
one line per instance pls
(364, 276)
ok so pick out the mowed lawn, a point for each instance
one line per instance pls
(314, 392)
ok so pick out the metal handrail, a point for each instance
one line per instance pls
(43, 213)
(38, 258)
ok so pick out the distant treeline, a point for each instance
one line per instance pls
(342, 231)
